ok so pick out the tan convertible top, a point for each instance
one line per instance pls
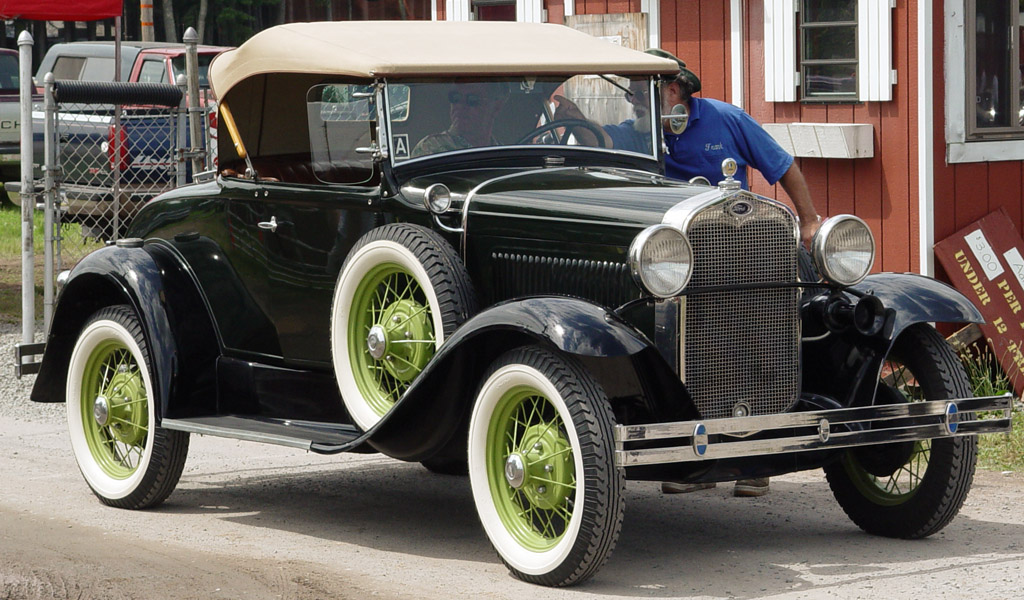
(427, 48)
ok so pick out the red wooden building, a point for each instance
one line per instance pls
(907, 113)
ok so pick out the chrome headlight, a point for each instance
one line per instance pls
(843, 249)
(661, 260)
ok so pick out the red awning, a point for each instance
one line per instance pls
(60, 10)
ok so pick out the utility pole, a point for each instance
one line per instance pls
(146, 20)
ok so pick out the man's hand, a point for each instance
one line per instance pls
(566, 109)
(807, 230)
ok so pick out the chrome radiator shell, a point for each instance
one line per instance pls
(739, 349)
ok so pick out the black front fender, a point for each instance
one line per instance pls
(180, 337)
(919, 299)
(434, 408)
(846, 366)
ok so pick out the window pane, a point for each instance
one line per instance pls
(830, 42)
(68, 67)
(153, 71)
(992, 70)
(831, 80)
(818, 11)
(1020, 62)
(98, 69)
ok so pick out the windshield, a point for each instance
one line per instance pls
(178, 66)
(600, 111)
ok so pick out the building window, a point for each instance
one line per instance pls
(828, 50)
(494, 10)
(994, 86)
(833, 50)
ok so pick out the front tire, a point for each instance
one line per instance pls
(541, 467)
(125, 458)
(913, 489)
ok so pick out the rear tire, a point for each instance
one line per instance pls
(125, 458)
(406, 287)
(923, 494)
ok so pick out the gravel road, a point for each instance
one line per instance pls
(253, 521)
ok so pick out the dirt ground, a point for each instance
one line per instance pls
(253, 521)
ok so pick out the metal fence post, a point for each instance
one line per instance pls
(181, 163)
(191, 39)
(51, 168)
(28, 199)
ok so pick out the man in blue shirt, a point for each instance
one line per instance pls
(715, 131)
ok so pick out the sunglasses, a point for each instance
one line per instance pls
(468, 99)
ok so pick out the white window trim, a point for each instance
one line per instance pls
(874, 49)
(958, 149)
(527, 11)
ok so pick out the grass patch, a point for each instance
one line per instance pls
(996, 451)
(75, 247)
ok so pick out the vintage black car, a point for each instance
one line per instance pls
(369, 273)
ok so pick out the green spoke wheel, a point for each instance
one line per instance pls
(402, 291)
(910, 489)
(541, 467)
(125, 458)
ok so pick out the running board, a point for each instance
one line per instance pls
(282, 432)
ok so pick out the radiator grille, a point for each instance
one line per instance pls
(742, 346)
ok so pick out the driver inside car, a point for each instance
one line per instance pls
(473, 108)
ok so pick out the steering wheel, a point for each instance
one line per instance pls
(569, 125)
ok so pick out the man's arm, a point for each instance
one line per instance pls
(793, 182)
(567, 109)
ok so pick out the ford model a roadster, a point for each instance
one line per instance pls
(405, 252)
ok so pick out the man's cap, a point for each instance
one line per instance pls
(685, 75)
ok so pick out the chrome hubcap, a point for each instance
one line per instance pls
(515, 470)
(377, 342)
(101, 411)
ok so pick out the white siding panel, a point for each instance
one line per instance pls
(874, 49)
(530, 11)
(779, 51)
(457, 10)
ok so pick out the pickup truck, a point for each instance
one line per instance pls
(145, 62)
(146, 158)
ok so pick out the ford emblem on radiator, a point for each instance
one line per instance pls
(741, 209)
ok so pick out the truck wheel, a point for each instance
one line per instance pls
(541, 467)
(911, 489)
(402, 291)
(125, 458)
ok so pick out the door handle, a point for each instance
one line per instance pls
(270, 225)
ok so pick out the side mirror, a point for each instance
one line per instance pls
(677, 119)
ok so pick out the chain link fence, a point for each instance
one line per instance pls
(111, 159)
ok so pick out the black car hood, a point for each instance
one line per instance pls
(601, 196)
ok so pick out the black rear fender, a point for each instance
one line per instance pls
(436, 407)
(182, 343)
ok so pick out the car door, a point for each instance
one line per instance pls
(305, 232)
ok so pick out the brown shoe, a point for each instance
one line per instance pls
(749, 488)
(674, 487)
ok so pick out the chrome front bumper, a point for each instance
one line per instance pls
(724, 438)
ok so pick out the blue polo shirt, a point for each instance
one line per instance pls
(716, 131)
(626, 137)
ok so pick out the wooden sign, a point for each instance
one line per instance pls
(985, 261)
